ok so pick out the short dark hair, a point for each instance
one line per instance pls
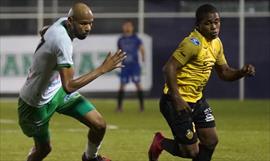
(128, 21)
(203, 10)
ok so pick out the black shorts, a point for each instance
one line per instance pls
(184, 125)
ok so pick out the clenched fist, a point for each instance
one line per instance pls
(248, 70)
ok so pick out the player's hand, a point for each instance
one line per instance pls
(113, 61)
(181, 105)
(248, 70)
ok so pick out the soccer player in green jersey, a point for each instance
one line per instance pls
(182, 104)
(51, 87)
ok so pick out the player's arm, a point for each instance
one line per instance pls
(225, 72)
(169, 72)
(142, 51)
(186, 50)
(67, 74)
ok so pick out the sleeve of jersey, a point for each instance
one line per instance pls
(185, 51)
(64, 54)
(221, 60)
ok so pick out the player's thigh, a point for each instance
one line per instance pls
(202, 115)
(136, 78)
(83, 110)
(181, 126)
(34, 121)
(93, 119)
(136, 74)
(124, 75)
(205, 123)
(208, 136)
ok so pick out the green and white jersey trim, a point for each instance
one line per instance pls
(54, 52)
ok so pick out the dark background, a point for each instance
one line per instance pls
(168, 32)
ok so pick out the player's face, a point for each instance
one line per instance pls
(128, 28)
(209, 27)
(82, 27)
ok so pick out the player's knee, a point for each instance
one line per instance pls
(190, 152)
(44, 150)
(101, 125)
(47, 150)
(212, 144)
(215, 142)
(193, 153)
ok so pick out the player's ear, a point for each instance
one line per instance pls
(70, 20)
(197, 26)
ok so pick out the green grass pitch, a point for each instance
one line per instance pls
(243, 128)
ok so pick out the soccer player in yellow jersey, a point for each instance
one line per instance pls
(182, 103)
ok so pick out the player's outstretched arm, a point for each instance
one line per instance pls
(169, 71)
(225, 72)
(110, 63)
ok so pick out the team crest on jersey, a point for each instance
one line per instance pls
(189, 134)
(69, 96)
(195, 41)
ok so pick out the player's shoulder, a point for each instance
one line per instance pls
(216, 40)
(57, 39)
(57, 30)
(192, 43)
(217, 43)
(121, 38)
(137, 37)
(57, 33)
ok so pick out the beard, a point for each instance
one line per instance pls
(80, 36)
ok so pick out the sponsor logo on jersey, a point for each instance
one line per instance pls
(195, 41)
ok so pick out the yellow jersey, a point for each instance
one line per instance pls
(198, 56)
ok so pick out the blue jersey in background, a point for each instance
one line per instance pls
(130, 45)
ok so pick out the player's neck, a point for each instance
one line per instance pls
(207, 39)
(128, 34)
(70, 34)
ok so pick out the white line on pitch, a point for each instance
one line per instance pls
(7, 121)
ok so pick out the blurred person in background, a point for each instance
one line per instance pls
(182, 103)
(131, 44)
(51, 87)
